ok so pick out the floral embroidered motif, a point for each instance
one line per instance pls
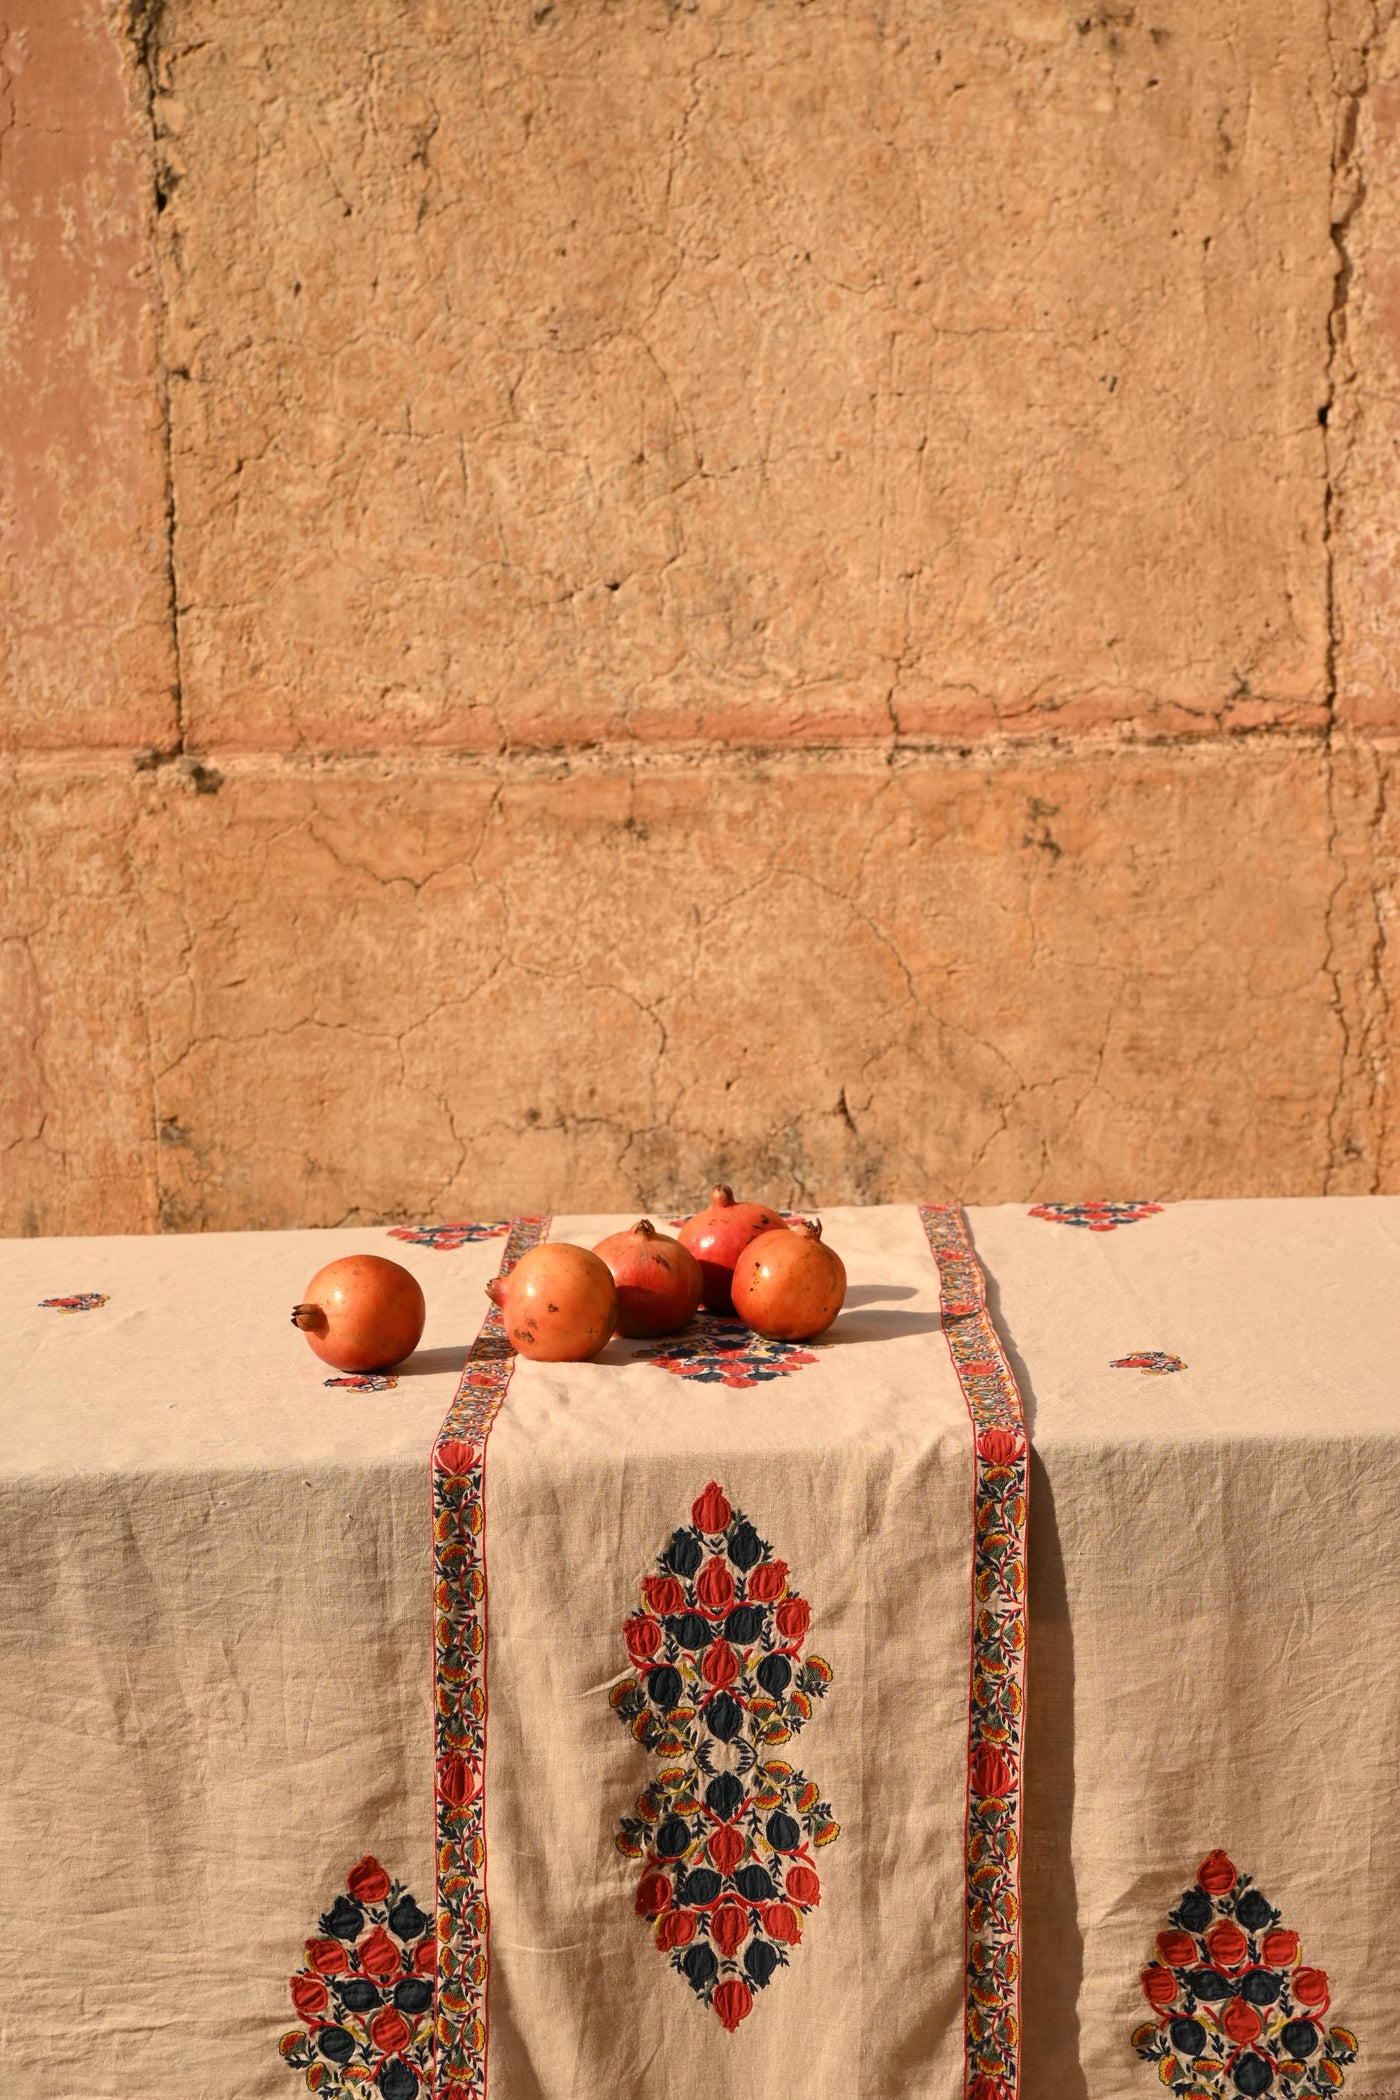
(726, 1830)
(715, 1350)
(80, 1301)
(365, 1995)
(992, 1889)
(1099, 1217)
(1236, 2009)
(446, 1237)
(459, 1570)
(1153, 1363)
(365, 1381)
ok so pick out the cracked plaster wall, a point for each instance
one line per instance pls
(600, 594)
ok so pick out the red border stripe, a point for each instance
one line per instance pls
(996, 1684)
(459, 1697)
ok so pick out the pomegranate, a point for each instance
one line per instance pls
(559, 1303)
(790, 1285)
(362, 1313)
(658, 1280)
(717, 1237)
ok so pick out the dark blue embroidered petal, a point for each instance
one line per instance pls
(1300, 2037)
(760, 1962)
(699, 1966)
(413, 1995)
(1195, 1910)
(358, 1995)
(755, 1884)
(724, 1717)
(745, 1545)
(397, 2080)
(744, 1624)
(664, 1687)
(344, 1920)
(1188, 2036)
(336, 2044)
(784, 1834)
(407, 1920)
(723, 1795)
(700, 1887)
(1253, 1912)
(685, 1553)
(1208, 1984)
(775, 1674)
(1253, 2075)
(1260, 1987)
(689, 1629)
(673, 1838)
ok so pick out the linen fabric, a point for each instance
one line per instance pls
(217, 1645)
(1215, 1608)
(215, 1648)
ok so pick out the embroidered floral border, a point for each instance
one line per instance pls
(459, 1592)
(996, 1705)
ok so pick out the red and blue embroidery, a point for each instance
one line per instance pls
(447, 1237)
(726, 1831)
(996, 1706)
(715, 1350)
(1153, 1363)
(459, 1570)
(77, 1301)
(1098, 1217)
(1236, 2009)
(365, 1381)
(365, 1995)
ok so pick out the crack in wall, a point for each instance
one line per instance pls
(142, 26)
(1357, 994)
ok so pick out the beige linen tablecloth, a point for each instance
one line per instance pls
(279, 1720)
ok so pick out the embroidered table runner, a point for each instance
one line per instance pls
(728, 1697)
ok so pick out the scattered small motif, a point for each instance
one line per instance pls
(365, 1995)
(1237, 2011)
(1098, 1217)
(80, 1301)
(365, 1381)
(726, 1831)
(1153, 1363)
(716, 1350)
(446, 1237)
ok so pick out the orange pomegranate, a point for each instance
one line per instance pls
(789, 1285)
(559, 1303)
(718, 1235)
(658, 1280)
(362, 1313)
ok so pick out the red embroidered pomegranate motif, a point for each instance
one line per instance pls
(447, 1238)
(1095, 1217)
(1236, 2009)
(365, 1995)
(727, 1831)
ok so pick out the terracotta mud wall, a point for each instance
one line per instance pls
(601, 593)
